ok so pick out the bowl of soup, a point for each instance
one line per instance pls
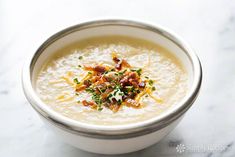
(112, 86)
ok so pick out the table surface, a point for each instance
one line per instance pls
(208, 25)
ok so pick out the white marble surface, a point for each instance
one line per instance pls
(208, 129)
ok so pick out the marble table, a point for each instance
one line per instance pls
(208, 129)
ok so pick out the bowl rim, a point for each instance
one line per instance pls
(115, 131)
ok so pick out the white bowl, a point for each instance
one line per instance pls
(122, 138)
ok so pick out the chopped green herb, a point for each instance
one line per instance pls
(100, 108)
(78, 101)
(76, 81)
(89, 72)
(150, 82)
(110, 95)
(100, 90)
(119, 101)
(80, 57)
(115, 93)
(103, 90)
(96, 98)
(139, 71)
(90, 90)
(122, 72)
(129, 88)
(146, 77)
(109, 79)
(79, 66)
(121, 94)
(153, 88)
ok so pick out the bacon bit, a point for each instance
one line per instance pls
(118, 66)
(124, 81)
(89, 68)
(80, 88)
(134, 82)
(131, 79)
(120, 63)
(142, 84)
(125, 64)
(116, 60)
(86, 103)
(99, 69)
(87, 83)
(132, 103)
(114, 107)
(132, 75)
(106, 93)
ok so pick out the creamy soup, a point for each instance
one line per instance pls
(112, 80)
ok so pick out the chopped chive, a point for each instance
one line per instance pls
(78, 101)
(80, 57)
(121, 94)
(122, 72)
(79, 66)
(119, 102)
(76, 81)
(110, 95)
(100, 90)
(146, 77)
(150, 82)
(97, 99)
(139, 71)
(90, 90)
(153, 88)
(100, 108)
(89, 72)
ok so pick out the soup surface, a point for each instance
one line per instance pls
(112, 80)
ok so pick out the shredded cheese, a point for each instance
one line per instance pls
(149, 92)
(67, 80)
(64, 97)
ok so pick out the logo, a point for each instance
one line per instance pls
(180, 148)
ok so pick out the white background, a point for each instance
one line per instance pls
(208, 25)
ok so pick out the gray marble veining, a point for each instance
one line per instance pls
(207, 130)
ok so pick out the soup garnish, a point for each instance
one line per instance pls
(113, 87)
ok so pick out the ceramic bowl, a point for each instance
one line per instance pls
(122, 138)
